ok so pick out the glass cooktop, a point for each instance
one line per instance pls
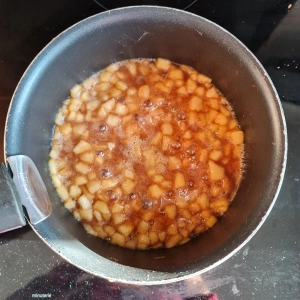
(180, 4)
(268, 267)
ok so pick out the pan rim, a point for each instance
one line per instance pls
(283, 157)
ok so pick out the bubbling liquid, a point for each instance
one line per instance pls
(146, 154)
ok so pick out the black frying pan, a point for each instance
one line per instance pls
(149, 32)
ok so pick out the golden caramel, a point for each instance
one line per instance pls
(146, 154)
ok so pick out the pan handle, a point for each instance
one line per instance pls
(11, 210)
(24, 195)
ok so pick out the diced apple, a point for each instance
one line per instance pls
(167, 184)
(87, 157)
(113, 80)
(216, 172)
(182, 91)
(121, 85)
(220, 205)
(84, 202)
(85, 96)
(143, 227)
(117, 208)
(210, 117)
(94, 186)
(53, 166)
(75, 191)
(203, 79)
(237, 137)
(129, 174)
(102, 113)
(65, 129)
(88, 83)
(70, 204)
(215, 190)
(194, 207)
(166, 141)
(225, 111)
(170, 211)
(166, 129)
(144, 91)
(63, 193)
(153, 237)
(157, 138)
(79, 129)
(92, 105)
(195, 103)
(99, 160)
(54, 154)
(90, 229)
(71, 117)
(118, 218)
(188, 135)
(75, 91)
(74, 104)
(110, 230)
(162, 236)
(193, 118)
(86, 214)
(109, 105)
(211, 221)
(126, 229)
(191, 85)
(102, 86)
(131, 68)
(81, 147)
(101, 207)
(203, 201)
(212, 93)
(148, 215)
(143, 239)
(173, 241)
(179, 181)
(174, 163)
(214, 103)
(155, 191)
(163, 64)
(158, 178)
(121, 109)
(80, 180)
(82, 168)
(56, 180)
(200, 91)
(118, 238)
(131, 244)
(113, 120)
(79, 117)
(109, 183)
(98, 216)
(215, 155)
(172, 229)
(221, 119)
(233, 124)
(128, 186)
(175, 74)
(161, 87)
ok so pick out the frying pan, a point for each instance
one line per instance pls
(86, 48)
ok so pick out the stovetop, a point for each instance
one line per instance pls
(268, 267)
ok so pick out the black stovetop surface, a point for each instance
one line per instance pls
(268, 267)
